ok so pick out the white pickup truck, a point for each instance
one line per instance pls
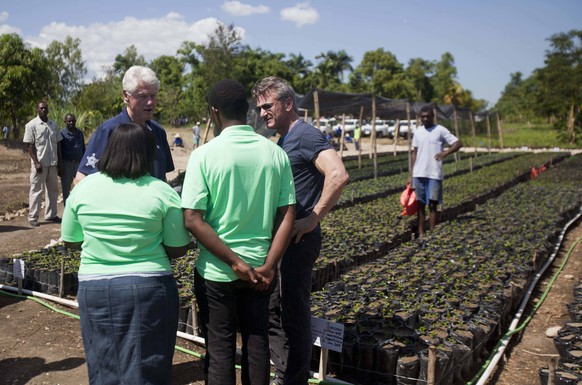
(403, 129)
(382, 127)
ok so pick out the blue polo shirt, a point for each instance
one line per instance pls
(163, 162)
(302, 144)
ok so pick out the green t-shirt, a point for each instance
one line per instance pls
(124, 224)
(239, 179)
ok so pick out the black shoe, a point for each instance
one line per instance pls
(54, 219)
(34, 223)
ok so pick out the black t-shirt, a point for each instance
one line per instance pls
(302, 144)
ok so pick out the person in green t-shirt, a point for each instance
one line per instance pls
(357, 135)
(128, 224)
(239, 203)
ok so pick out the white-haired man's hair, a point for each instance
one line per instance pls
(137, 75)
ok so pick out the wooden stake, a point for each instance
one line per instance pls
(499, 130)
(552, 371)
(488, 134)
(473, 132)
(430, 376)
(62, 280)
(323, 364)
(396, 133)
(316, 104)
(375, 159)
(343, 136)
(456, 123)
(408, 135)
(208, 123)
(360, 139)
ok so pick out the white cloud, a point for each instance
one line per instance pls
(5, 28)
(8, 29)
(101, 42)
(301, 14)
(236, 8)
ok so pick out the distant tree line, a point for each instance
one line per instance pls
(552, 93)
(57, 74)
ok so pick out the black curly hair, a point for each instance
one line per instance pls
(229, 97)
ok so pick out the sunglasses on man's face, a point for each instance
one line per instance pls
(265, 106)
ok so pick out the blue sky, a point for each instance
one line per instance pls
(489, 39)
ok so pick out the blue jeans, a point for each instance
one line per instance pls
(223, 306)
(427, 190)
(129, 325)
(290, 311)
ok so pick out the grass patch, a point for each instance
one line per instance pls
(519, 135)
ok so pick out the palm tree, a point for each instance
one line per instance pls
(299, 66)
(332, 66)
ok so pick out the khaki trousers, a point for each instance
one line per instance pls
(46, 180)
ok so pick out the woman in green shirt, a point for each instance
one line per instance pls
(128, 224)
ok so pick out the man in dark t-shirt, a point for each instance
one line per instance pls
(319, 177)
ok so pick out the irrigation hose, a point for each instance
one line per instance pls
(41, 302)
(176, 347)
(499, 349)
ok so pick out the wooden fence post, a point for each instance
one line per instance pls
(430, 375)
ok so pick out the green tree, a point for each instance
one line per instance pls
(255, 64)
(381, 73)
(518, 102)
(444, 80)
(419, 71)
(207, 64)
(563, 76)
(24, 74)
(169, 71)
(329, 72)
(188, 107)
(219, 58)
(68, 67)
(101, 99)
(301, 71)
(129, 58)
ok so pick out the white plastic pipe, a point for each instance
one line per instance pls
(38, 294)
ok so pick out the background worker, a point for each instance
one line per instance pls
(427, 165)
(72, 150)
(43, 141)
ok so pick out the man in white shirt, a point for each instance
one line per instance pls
(43, 139)
(427, 165)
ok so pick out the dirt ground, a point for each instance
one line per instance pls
(40, 346)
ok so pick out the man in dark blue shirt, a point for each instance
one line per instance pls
(319, 176)
(140, 91)
(72, 150)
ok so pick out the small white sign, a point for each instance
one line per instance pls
(18, 268)
(327, 334)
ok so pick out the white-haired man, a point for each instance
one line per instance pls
(140, 90)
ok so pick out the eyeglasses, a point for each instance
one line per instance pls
(265, 106)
